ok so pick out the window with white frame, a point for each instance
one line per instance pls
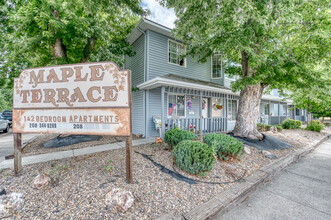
(176, 105)
(216, 66)
(232, 109)
(176, 51)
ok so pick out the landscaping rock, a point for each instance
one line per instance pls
(273, 129)
(269, 155)
(2, 192)
(41, 181)
(10, 203)
(247, 150)
(119, 199)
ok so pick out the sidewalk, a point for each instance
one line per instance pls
(72, 153)
(302, 191)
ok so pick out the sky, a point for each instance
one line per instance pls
(160, 14)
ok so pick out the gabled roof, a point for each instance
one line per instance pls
(145, 24)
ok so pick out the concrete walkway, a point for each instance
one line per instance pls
(302, 191)
(72, 153)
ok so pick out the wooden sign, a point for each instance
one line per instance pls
(84, 98)
(90, 98)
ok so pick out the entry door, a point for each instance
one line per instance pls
(205, 108)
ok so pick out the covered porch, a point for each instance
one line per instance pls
(192, 105)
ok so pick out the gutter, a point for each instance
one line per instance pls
(145, 78)
(159, 81)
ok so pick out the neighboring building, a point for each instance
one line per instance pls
(182, 92)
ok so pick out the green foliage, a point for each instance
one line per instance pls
(326, 124)
(6, 99)
(315, 126)
(291, 124)
(194, 157)
(224, 146)
(261, 127)
(173, 136)
(89, 31)
(274, 44)
(279, 128)
(108, 168)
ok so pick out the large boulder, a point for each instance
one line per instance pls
(41, 181)
(119, 199)
(10, 204)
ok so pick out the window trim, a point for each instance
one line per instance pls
(176, 42)
(176, 94)
(211, 67)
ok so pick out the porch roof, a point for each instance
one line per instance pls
(172, 80)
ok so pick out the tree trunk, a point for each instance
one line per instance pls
(248, 112)
(88, 49)
(59, 50)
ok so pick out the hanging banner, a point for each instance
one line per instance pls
(89, 98)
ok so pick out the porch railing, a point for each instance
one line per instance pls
(198, 125)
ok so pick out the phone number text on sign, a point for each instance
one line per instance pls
(74, 121)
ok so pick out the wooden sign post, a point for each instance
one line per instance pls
(84, 98)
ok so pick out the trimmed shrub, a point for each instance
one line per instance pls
(279, 128)
(194, 157)
(173, 136)
(291, 124)
(315, 126)
(224, 146)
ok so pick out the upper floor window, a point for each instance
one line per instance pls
(176, 51)
(216, 66)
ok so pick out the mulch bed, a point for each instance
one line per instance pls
(85, 180)
(35, 147)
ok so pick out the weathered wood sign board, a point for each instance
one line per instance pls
(91, 98)
(85, 98)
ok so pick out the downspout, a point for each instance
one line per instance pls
(145, 79)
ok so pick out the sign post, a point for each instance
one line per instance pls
(17, 153)
(85, 98)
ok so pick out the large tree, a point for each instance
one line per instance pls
(268, 43)
(50, 32)
(316, 98)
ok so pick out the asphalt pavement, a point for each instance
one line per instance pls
(7, 143)
(301, 191)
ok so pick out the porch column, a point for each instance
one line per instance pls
(200, 112)
(162, 112)
(225, 107)
(269, 117)
(278, 112)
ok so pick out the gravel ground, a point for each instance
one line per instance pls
(84, 182)
(296, 137)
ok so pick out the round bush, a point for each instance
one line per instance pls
(173, 136)
(193, 156)
(224, 146)
(291, 124)
(315, 126)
